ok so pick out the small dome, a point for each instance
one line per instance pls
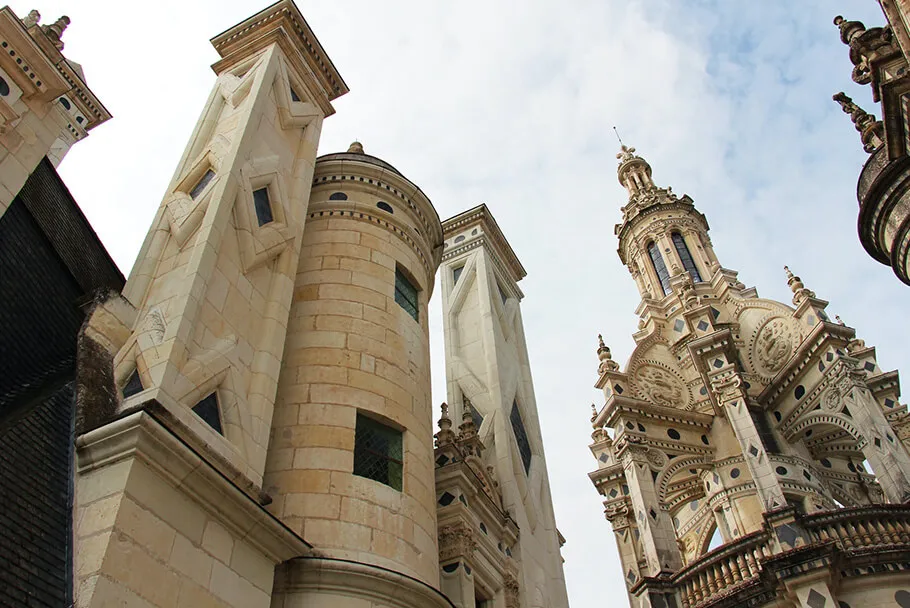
(356, 148)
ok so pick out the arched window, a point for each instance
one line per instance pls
(659, 267)
(685, 257)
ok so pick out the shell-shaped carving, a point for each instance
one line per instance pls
(773, 344)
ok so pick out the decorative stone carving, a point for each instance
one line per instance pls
(456, 541)
(32, 18)
(660, 386)
(154, 325)
(511, 590)
(831, 400)
(657, 458)
(773, 345)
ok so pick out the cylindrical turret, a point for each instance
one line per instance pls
(350, 464)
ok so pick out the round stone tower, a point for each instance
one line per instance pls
(350, 463)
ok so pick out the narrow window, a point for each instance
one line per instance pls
(133, 385)
(406, 294)
(521, 437)
(377, 452)
(202, 183)
(660, 267)
(502, 294)
(263, 206)
(456, 272)
(385, 207)
(208, 410)
(685, 257)
(338, 196)
(294, 95)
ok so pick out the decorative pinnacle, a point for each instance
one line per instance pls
(356, 148)
(626, 153)
(55, 30)
(799, 290)
(593, 412)
(848, 29)
(445, 435)
(606, 359)
(872, 132)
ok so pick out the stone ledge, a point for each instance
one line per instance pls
(304, 579)
(140, 436)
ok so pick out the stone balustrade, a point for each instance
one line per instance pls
(735, 566)
(720, 570)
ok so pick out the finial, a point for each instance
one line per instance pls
(356, 148)
(467, 428)
(55, 30)
(872, 132)
(31, 19)
(839, 320)
(445, 435)
(593, 412)
(626, 153)
(848, 29)
(799, 290)
(606, 359)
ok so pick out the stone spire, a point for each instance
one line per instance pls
(606, 359)
(800, 292)
(871, 131)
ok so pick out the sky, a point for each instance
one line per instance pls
(513, 104)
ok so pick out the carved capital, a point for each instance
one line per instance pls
(456, 541)
(511, 590)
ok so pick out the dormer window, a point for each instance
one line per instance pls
(202, 183)
(659, 267)
(263, 206)
(685, 257)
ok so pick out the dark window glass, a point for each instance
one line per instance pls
(405, 294)
(338, 196)
(377, 452)
(660, 267)
(133, 385)
(263, 206)
(65, 102)
(476, 417)
(685, 257)
(294, 95)
(521, 437)
(763, 426)
(456, 272)
(207, 409)
(385, 206)
(202, 183)
(4, 87)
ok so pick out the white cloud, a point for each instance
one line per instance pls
(512, 103)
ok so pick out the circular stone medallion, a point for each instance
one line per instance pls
(773, 345)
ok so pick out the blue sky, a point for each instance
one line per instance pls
(513, 103)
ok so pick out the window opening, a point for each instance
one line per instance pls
(521, 437)
(377, 452)
(385, 207)
(338, 196)
(716, 539)
(202, 183)
(456, 272)
(294, 95)
(133, 385)
(263, 206)
(760, 419)
(207, 409)
(659, 267)
(406, 294)
(685, 257)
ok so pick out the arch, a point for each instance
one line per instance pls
(663, 480)
(816, 419)
(682, 250)
(659, 266)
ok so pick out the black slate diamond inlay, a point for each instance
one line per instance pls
(889, 402)
(829, 356)
(715, 313)
(678, 326)
(613, 493)
(618, 389)
(631, 576)
(821, 366)
(877, 442)
(816, 599)
(702, 326)
(807, 475)
(718, 363)
(653, 514)
(603, 457)
(446, 499)
(869, 366)
(442, 461)
(753, 450)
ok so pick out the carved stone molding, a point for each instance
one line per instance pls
(456, 541)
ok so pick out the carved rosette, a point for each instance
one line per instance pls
(772, 347)
(661, 386)
(456, 541)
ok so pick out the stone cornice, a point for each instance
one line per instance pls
(282, 23)
(495, 239)
(618, 405)
(312, 577)
(142, 437)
